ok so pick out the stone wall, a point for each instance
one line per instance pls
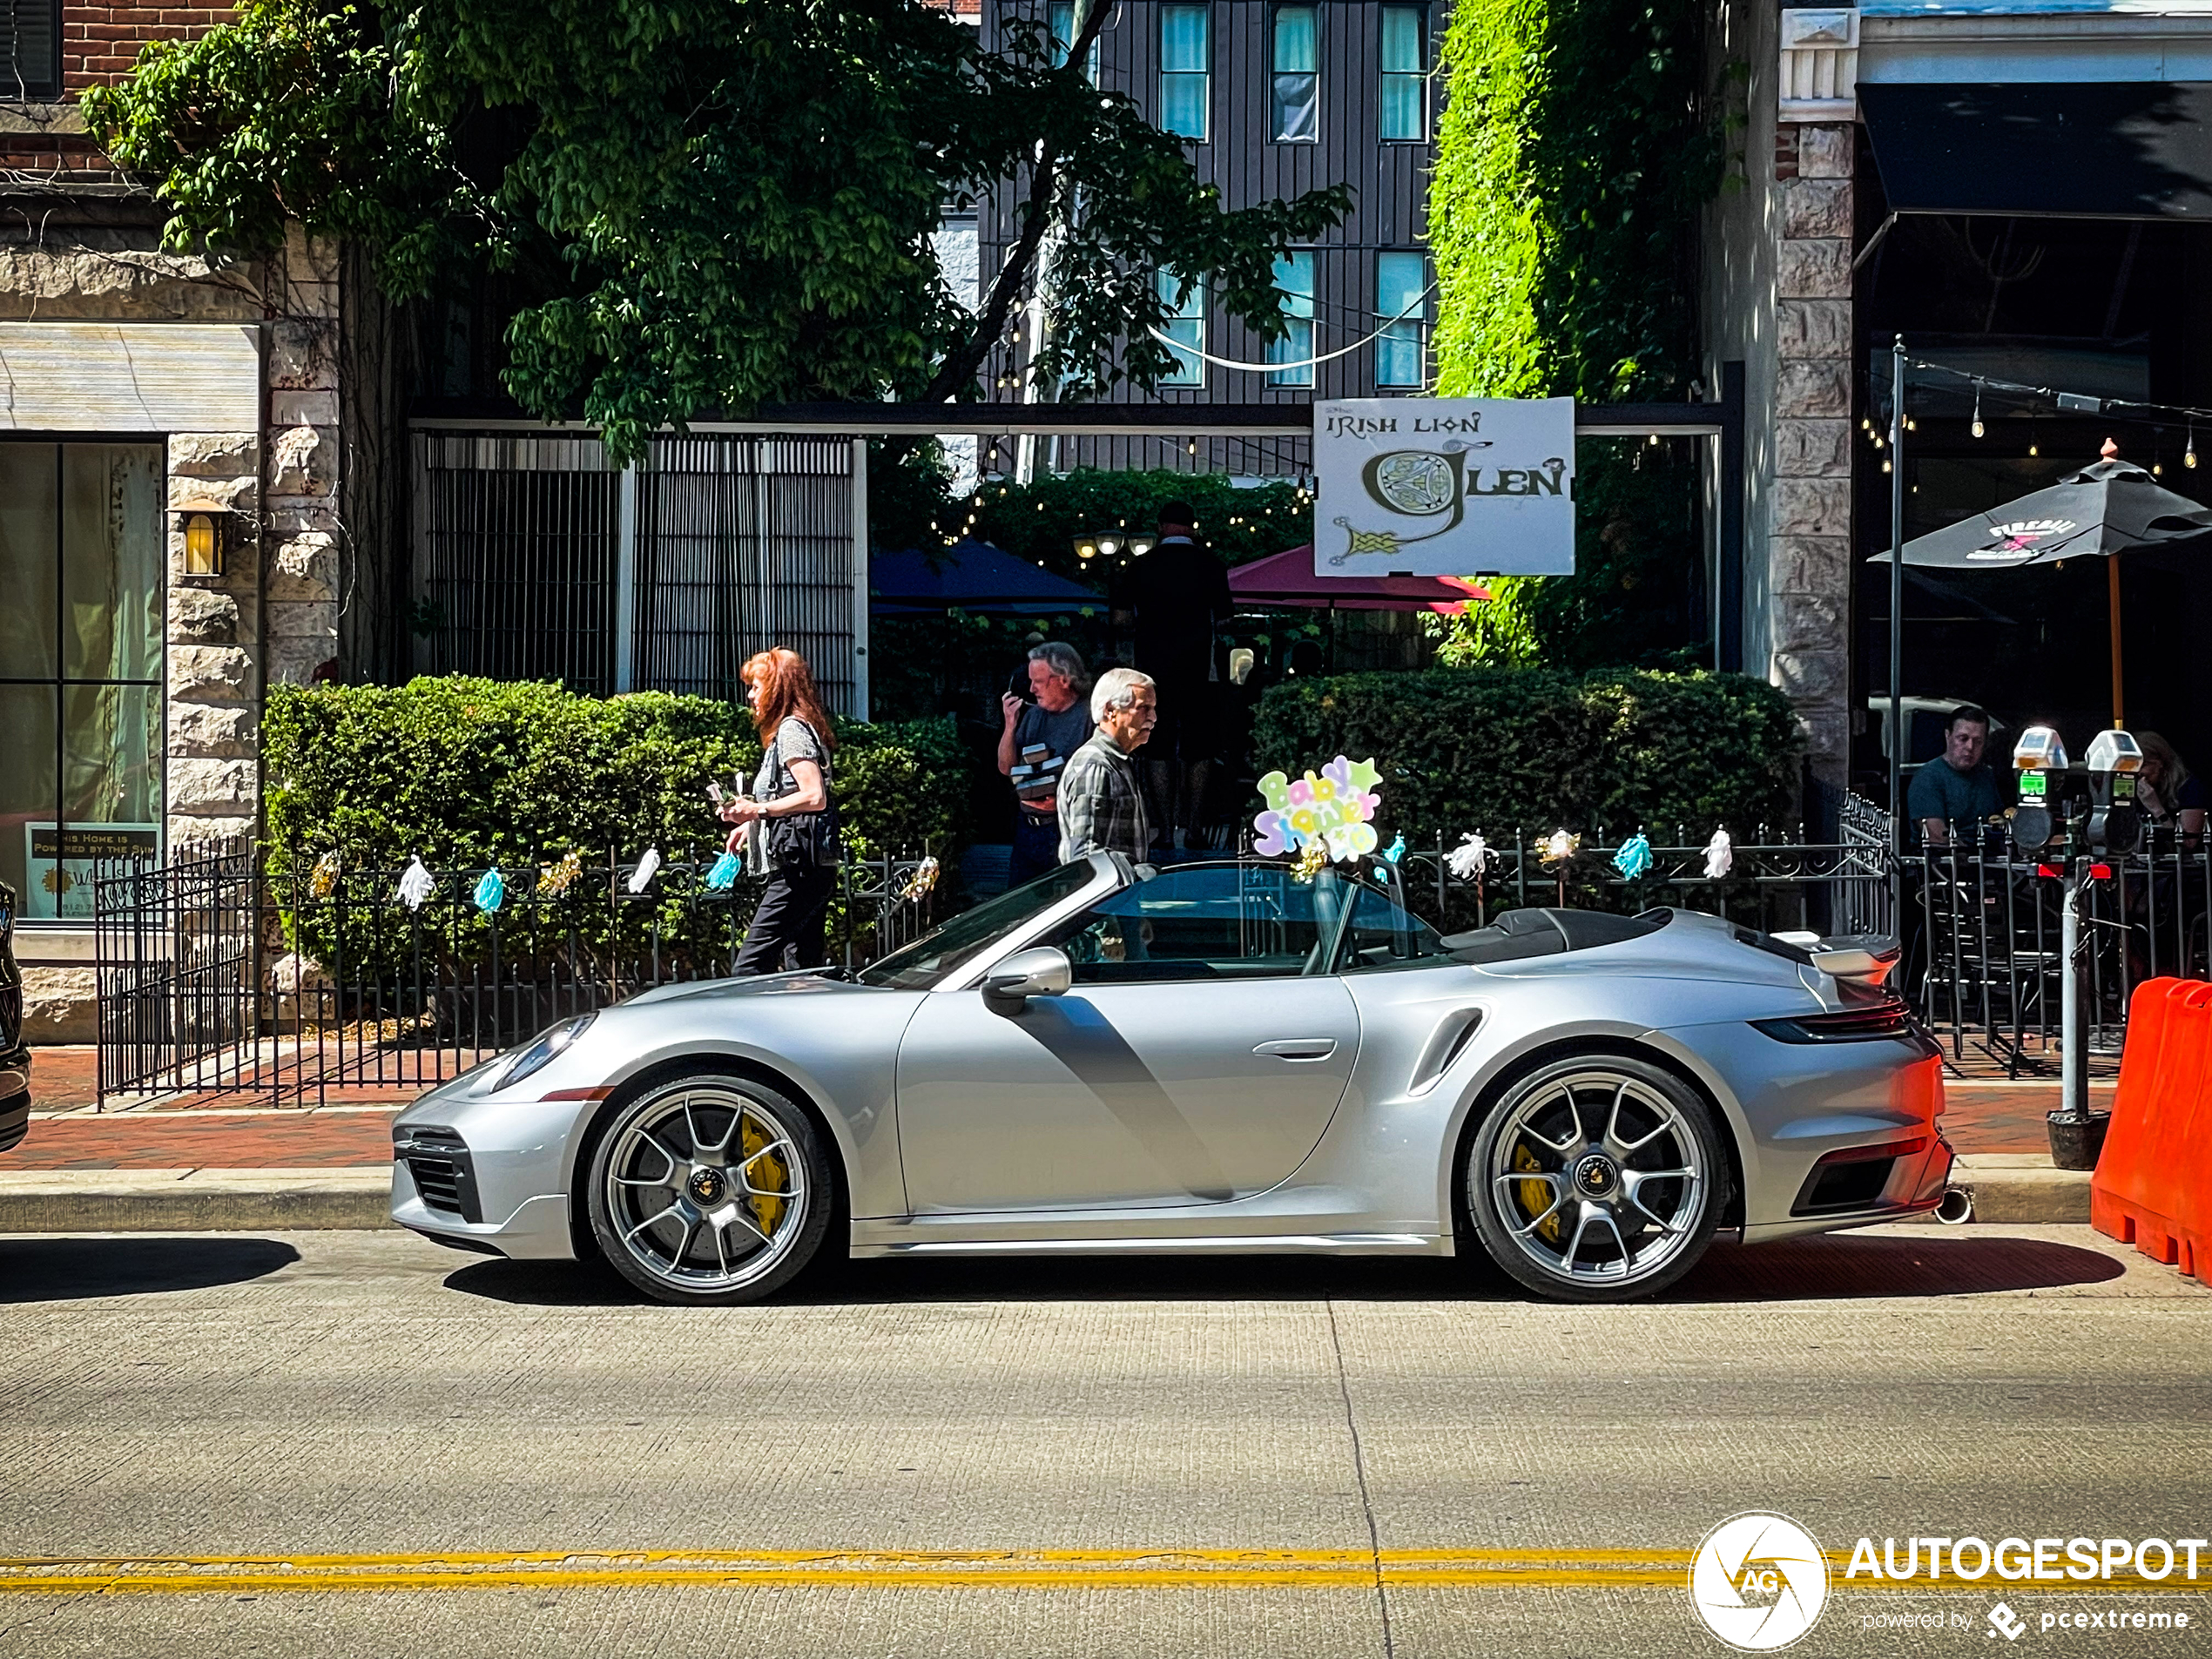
(1809, 528)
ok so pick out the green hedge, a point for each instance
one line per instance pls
(468, 772)
(1497, 750)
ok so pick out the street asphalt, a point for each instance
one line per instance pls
(1290, 1457)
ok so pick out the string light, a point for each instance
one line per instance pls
(1977, 428)
(2188, 455)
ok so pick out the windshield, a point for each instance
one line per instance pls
(923, 964)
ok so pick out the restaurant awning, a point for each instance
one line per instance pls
(2128, 149)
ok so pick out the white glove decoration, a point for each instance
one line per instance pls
(1720, 855)
(648, 868)
(417, 884)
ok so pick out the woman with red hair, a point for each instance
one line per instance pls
(787, 829)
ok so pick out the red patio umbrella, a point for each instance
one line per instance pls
(1287, 578)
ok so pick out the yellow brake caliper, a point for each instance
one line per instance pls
(1535, 1196)
(768, 1173)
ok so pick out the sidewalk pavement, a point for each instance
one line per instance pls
(221, 1163)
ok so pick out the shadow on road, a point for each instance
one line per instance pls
(1945, 1264)
(1842, 1267)
(64, 1270)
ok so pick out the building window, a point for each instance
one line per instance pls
(1186, 74)
(1186, 326)
(1294, 281)
(81, 565)
(1298, 80)
(1404, 74)
(1064, 22)
(1401, 306)
(29, 50)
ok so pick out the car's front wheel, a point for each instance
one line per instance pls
(1596, 1178)
(709, 1188)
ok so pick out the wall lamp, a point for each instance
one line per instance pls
(206, 527)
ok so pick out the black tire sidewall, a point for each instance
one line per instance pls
(795, 1123)
(1481, 1199)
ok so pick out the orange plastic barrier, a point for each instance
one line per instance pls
(2153, 1185)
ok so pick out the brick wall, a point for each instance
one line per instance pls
(100, 42)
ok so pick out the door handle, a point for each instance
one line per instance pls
(1299, 1048)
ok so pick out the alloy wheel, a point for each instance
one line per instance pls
(1597, 1179)
(704, 1190)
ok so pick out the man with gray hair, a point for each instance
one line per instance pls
(1043, 731)
(1101, 799)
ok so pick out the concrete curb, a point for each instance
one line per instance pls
(2020, 1189)
(166, 1201)
(2010, 1189)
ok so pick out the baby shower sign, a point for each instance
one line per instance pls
(1335, 809)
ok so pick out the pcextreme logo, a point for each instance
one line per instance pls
(1759, 1582)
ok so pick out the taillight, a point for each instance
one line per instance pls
(1885, 1021)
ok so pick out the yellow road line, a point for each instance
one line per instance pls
(999, 1569)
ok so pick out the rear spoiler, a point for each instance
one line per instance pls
(1864, 958)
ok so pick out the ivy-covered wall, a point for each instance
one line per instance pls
(1574, 154)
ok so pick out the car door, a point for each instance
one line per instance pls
(1196, 1058)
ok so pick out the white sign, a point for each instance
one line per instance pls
(1448, 486)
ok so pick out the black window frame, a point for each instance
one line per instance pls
(1275, 75)
(25, 90)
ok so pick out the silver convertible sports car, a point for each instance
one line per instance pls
(1206, 1057)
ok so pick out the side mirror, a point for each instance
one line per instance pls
(1041, 970)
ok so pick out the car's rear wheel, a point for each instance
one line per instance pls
(1596, 1178)
(709, 1188)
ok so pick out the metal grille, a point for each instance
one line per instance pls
(535, 561)
(744, 543)
(516, 542)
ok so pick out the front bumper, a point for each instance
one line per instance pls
(486, 1175)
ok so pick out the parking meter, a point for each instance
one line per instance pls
(2115, 822)
(2039, 759)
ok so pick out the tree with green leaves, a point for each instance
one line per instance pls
(714, 204)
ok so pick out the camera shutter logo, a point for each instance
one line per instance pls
(1759, 1582)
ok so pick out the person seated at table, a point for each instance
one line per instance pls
(1960, 786)
(2171, 796)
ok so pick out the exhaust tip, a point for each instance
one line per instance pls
(1956, 1207)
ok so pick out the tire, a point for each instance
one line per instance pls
(1596, 1178)
(709, 1190)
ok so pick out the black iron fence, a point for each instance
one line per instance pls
(216, 977)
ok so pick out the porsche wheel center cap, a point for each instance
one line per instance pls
(1596, 1175)
(706, 1187)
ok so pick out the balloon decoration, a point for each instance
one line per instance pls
(1470, 858)
(1333, 810)
(491, 891)
(417, 884)
(554, 879)
(1720, 856)
(1633, 860)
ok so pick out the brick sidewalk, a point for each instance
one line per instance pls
(218, 1135)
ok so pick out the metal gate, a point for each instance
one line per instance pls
(536, 558)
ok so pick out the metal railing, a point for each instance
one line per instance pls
(216, 978)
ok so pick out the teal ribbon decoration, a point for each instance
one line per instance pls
(724, 875)
(1395, 851)
(491, 891)
(1634, 859)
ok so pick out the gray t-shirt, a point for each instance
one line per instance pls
(1060, 735)
(794, 740)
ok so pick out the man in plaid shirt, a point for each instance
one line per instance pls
(1102, 803)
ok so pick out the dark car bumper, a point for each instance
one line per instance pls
(15, 1097)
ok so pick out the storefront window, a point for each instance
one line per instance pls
(81, 586)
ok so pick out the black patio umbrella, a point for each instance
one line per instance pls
(2109, 507)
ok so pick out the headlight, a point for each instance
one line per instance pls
(534, 1055)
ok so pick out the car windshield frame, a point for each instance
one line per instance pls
(963, 938)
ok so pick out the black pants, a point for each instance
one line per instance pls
(786, 930)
